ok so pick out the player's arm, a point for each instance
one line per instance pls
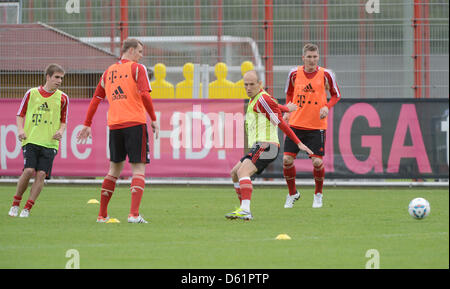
(63, 118)
(289, 90)
(20, 120)
(20, 117)
(59, 133)
(272, 112)
(143, 84)
(288, 131)
(98, 96)
(147, 101)
(288, 107)
(335, 94)
(144, 88)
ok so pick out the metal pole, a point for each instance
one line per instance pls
(112, 28)
(408, 49)
(123, 21)
(219, 29)
(417, 50)
(198, 27)
(426, 42)
(255, 10)
(325, 33)
(31, 13)
(268, 45)
(89, 18)
(362, 53)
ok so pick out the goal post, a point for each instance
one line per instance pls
(10, 12)
(189, 47)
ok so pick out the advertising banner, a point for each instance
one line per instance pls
(370, 138)
(197, 138)
(382, 138)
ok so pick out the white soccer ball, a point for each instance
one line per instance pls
(419, 208)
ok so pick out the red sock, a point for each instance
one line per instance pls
(289, 173)
(16, 201)
(246, 188)
(108, 186)
(319, 174)
(29, 205)
(137, 190)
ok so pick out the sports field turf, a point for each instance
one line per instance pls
(187, 229)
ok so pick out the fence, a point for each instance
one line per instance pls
(397, 49)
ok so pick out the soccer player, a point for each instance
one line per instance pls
(41, 121)
(262, 120)
(126, 86)
(306, 86)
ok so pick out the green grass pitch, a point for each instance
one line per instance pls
(187, 229)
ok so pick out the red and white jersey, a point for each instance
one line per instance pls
(268, 106)
(64, 103)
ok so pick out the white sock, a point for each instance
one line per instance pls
(245, 205)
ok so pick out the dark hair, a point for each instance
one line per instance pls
(130, 43)
(52, 68)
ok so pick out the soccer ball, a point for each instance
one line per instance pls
(419, 208)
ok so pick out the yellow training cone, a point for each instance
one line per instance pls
(93, 201)
(113, 220)
(282, 237)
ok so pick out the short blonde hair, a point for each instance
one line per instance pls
(310, 47)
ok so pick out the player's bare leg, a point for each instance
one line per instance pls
(35, 191)
(24, 180)
(21, 187)
(115, 169)
(37, 185)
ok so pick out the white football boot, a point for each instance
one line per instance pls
(317, 201)
(14, 211)
(101, 219)
(25, 213)
(136, 220)
(290, 200)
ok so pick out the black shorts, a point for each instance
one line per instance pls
(39, 158)
(131, 141)
(262, 154)
(313, 139)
